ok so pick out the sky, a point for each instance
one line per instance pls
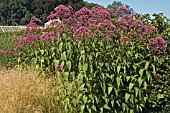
(141, 6)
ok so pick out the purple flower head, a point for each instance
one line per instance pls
(59, 68)
(157, 75)
(150, 29)
(83, 32)
(63, 12)
(70, 21)
(122, 27)
(96, 8)
(122, 22)
(125, 39)
(52, 16)
(48, 36)
(9, 52)
(109, 33)
(112, 12)
(100, 13)
(29, 38)
(103, 14)
(136, 15)
(157, 44)
(106, 25)
(2, 52)
(34, 19)
(32, 26)
(123, 9)
(83, 12)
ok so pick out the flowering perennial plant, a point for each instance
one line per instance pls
(157, 44)
(87, 48)
(125, 39)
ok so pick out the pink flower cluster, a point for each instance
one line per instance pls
(157, 75)
(107, 28)
(32, 26)
(125, 39)
(157, 44)
(112, 12)
(105, 25)
(61, 12)
(150, 29)
(100, 13)
(4, 53)
(83, 32)
(123, 8)
(83, 15)
(59, 68)
(70, 21)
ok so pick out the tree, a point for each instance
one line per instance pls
(89, 5)
(116, 4)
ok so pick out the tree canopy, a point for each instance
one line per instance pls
(19, 12)
(116, 4)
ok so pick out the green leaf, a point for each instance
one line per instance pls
(84, 99)
(136, 55)
(148, 76)
(68, 63)
(118, 103)
(123, 106)
(64, 56)
(118, 69)
(91, 97)
(80, 76)
(110, 89)
(140, 80)
(85, 67)
(106, 106)
(94, 108)
(131, 111)
(118, 79)
(42, 60)
(154, 69)
(136, 91)
(80, 66)
(56, 62)
(62, 63)
(131, 86)
(82, 108)
(141, 72)
(147, 65)
(42, 51)
(60, 46)
(127, 78)
(134, 67)
(112, 103)
(145, 85)
(127, 95)
(116, 93)
(81, 88)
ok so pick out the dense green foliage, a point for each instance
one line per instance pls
(7, 45)
(104, 64)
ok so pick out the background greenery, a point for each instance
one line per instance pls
(19, 12)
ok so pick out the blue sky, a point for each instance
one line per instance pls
(141, 6)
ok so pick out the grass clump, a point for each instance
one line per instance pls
(23, 92)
